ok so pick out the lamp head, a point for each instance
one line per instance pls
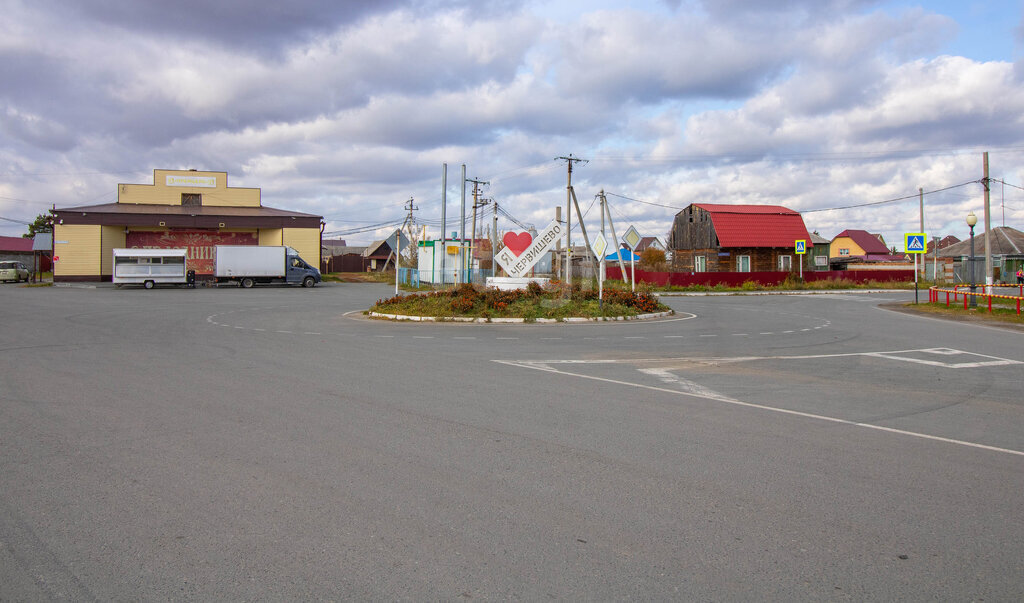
(972, 219)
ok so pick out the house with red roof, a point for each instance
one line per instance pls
(861, 246)
(714, 237)
(20, 249)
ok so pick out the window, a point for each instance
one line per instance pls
(700, 263)
(191, 199)
(844, 251)
(743, 263)
(785, 263)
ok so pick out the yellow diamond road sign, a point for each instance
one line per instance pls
(631, 238)
(600, 243)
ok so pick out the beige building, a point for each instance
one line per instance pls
(180, 209)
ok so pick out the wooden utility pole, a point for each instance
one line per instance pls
(472, 238)
(568, 213)
(988, 226)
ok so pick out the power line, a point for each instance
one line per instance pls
(914, 196)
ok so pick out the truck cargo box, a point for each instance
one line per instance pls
(234, 261)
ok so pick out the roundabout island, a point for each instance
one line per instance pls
(551, 303)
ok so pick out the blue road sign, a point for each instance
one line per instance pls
(914, 242)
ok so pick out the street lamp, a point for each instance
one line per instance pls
(971, 221)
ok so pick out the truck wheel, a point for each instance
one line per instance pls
(149, 284)
(308, 282)
(246, 283)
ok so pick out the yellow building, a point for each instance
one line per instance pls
(182, 208)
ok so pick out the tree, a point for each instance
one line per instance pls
(653, 259)
(42, 223)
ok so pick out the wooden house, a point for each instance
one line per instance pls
(712, 237)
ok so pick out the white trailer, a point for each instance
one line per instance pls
(149, 266)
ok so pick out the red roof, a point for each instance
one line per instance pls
(865, 240)
(18, 244)
(756, 225)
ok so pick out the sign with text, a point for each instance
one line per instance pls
(522, 251)
(913, 242)
(192, 181)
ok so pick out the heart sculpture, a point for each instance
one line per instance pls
(517, 241)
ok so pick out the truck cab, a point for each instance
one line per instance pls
(298, 271)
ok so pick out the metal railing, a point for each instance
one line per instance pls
(935, 292)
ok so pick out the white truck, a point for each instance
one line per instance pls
(149, 267)
(249, 264)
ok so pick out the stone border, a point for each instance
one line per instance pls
(571, 319)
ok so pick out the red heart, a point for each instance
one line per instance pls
(517, 241)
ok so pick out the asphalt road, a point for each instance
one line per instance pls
(274, 444)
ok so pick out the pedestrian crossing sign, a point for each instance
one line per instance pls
(801, 247)
(914, 242)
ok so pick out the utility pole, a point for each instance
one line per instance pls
(618, 245)
(444, 225)
(476, 203)
(988, 227)
(494, 239)
(920, 192)
(462, 227)
(398, 240)
(568, 213)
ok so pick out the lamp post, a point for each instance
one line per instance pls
(971, 221)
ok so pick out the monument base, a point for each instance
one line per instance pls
(508, 283)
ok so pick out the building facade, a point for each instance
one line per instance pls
(180, 209)
(710, 237)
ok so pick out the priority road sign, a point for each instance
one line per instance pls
(914, 242)
(631, 238)
(801, 247)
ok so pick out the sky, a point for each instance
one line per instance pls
(840, 109)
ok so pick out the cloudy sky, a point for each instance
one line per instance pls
(349, 109)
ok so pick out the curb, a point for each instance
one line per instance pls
(571, 319)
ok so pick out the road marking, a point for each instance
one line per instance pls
(716, 397)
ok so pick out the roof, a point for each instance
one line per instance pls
(17, 244)
(865, 240)
(185, 216)
(183, 210)
(756, 225)
(1005, 241)
(627, 256)
(817, 239)
(646, 242)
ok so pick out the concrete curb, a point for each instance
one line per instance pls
(571, 319)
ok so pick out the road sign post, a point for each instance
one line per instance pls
(801, 250)
(631, 238)
(914, 243)
(600, 244)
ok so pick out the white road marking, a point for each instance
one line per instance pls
(689, 388)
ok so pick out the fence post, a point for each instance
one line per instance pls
(990, 303)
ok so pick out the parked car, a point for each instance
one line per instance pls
(13, 271)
